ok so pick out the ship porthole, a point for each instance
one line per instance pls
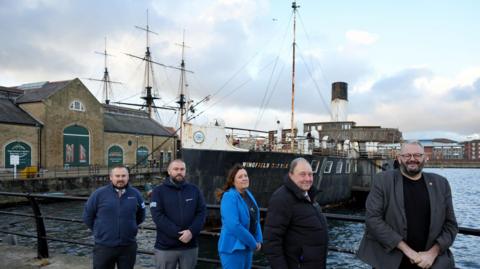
(198, 137)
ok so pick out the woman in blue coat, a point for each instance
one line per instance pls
(241, 233)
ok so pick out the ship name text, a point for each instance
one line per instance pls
(263, 165)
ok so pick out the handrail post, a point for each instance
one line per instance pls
(42, 245)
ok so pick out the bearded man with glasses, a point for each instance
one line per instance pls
(410, 222)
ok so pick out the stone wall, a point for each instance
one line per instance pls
(58, 116)
(23, 133)
(36, 110)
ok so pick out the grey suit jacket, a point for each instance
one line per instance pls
(386, 224)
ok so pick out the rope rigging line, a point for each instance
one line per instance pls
(157, 113)
(264, 103)
(230, 93)
(316, 85)
(236, 73)
(126, 98)
(271, 94)
(302, 25)
(320, 68)
(124, 87)
(169, 84)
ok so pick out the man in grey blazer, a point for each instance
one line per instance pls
(409, 218)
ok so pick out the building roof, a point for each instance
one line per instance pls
(125, 120)
(124, 110)
(10, 113)
(443, 140)
(433, 143)
(39, 91)
(10, 92)
(116, 119)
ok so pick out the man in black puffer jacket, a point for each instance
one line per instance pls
(295, 231)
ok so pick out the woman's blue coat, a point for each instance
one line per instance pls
(235, 223)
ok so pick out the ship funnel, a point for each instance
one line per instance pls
(339, 104)
(279, 132)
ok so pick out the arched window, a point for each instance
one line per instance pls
(76, 146)
(76, 105)
(142, 155)
(115, 156)
(20, 149)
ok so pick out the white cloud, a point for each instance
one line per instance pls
(434, 86)
(442, 85)
(361, 37)
(362, 86)
(468, 76)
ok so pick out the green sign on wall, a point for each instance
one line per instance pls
(115, 156)
(22, 150)
(142, 154)
(76, 146)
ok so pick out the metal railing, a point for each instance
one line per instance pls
(42, 238)
(76, 171)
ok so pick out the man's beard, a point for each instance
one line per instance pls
(178, 179)
(123, 186)
(412, 172)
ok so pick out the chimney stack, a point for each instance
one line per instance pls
(339, 104)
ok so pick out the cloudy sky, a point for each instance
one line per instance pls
(412, 65)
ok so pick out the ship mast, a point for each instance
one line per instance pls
(107, 83)
(148, 75)
(292, 120)
(182, 84)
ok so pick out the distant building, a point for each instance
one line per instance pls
(472, 149)
(61, 124)
(443, 149)
(341, 136)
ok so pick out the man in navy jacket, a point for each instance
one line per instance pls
(178, 210)
(113, 213)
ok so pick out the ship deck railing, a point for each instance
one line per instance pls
(43, 238)
(383, 154)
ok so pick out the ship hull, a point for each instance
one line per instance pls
(333, 176)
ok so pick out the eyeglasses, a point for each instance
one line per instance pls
(305, 174)
(407, 156)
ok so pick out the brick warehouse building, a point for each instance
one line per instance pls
(61, 124)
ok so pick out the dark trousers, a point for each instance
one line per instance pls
(107, 257)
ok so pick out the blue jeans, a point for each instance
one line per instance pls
(107, 257)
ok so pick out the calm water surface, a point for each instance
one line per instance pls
(465, 184)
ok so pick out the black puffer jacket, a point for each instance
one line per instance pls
(295, 231)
